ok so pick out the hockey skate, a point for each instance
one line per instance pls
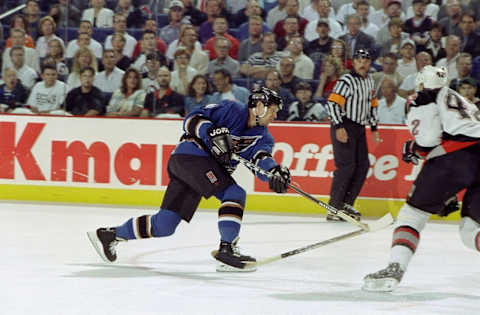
(229, 258)
(348, 210)
(385, 280)
(104, 241)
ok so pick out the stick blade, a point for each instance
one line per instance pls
(381, 223)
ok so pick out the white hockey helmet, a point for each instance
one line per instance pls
(432, 77)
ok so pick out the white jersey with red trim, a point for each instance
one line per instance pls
(442, 117)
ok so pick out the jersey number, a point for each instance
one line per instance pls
(456, 103)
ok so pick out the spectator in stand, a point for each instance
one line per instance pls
(85, 100)
(252, 8)
(120, 26)
(56, 50)
(408, 85)
(19, 21)
(49, 94)
(220, 28)
(149, 47)
(84, 39)
(98, 15)
(149, 79)
(391, 8)
(32, 15)
(183, 75)
(163, 101)
(318, 48)
(389, 70)
(338, 50)
(194, 15)
(47, 28)
(431, 10)
(12, 93)
(391, 108)
(277, 14)
(226, 89)
(83, 58)
(151, 25)
(110, 79)
(291, 8)
(223, 60)
(243, 28)
(355, 39)
(407, 64)
(118, 47)
(305, 108)
(332, 69)
(253, 43)
(287, 70)
(199, 93)
(273, 81)
(464, 69)
(170, 32)
(434, 46)
(133, 15)
(468, 88)
(259, 63)
(324, 12)
(65, 14)
(311, 12)
(304, 66)
(212, 9)
(130, 98)
(18, 40)
(451, 23)
(393, 11)
(349, 9)
(188, 40)
(470, 39)
(23, 72)
(420, 24)
(452, 50)
(397, 37)
(290, 26)
(363, 10)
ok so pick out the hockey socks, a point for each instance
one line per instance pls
(230, 217)
(163, 223)
(404, 244)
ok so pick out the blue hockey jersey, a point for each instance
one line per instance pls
(254, 144)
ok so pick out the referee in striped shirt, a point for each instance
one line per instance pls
(351, 105)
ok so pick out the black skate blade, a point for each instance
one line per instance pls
(239, 266)
(97, 245)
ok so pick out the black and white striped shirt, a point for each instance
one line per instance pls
(353, 97)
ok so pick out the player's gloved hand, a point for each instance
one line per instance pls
(408, 153)
(221, 144)
(451, 205)
(280, 179)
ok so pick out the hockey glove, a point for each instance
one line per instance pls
(280, 179)
(451, 205)
(408, 152)
(221, 144)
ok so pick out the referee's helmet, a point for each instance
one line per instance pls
(362, 53)
(266, 96)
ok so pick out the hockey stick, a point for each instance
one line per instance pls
(379, 224)
(328, 207)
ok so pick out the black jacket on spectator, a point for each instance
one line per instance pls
(472, 46)
(135, 19)
(78, 103)
(316, 52)
(363, 41)
(240, 17)
(291, 85)
(15, 98)
(196, 16)
(171, 102)
(410, 28)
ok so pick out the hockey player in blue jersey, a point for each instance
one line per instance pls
(201, 166)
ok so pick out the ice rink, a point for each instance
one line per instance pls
(49, 267)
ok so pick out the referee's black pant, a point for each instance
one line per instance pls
(351, 162)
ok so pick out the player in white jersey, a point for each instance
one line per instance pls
(446, 128)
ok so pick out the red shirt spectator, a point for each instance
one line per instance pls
(233, 52)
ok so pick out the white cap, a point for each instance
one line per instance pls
(176, 3)
(432, 77)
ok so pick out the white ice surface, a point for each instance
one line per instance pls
(49, 267)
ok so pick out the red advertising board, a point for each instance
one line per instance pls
(307, 151)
